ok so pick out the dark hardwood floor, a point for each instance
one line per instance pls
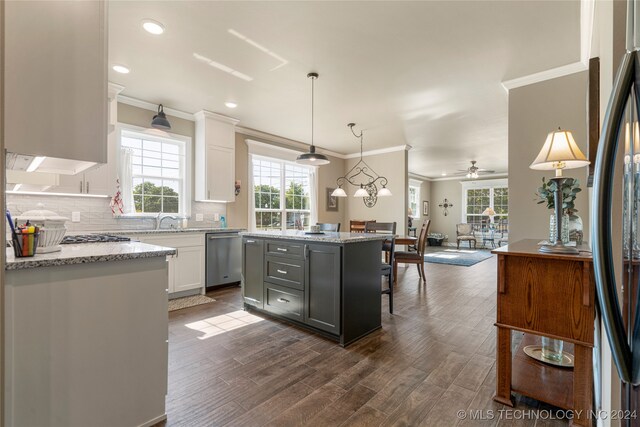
(433, 357)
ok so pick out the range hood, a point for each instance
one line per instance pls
(39, 173)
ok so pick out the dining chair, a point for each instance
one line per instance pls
(405, 257)
(357, 226)
(389, 249)
(329, 227)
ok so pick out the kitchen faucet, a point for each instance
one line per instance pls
(161, 218)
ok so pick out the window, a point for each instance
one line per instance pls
(153, 173)
(414, 197)
(480, 195)
(282, 194)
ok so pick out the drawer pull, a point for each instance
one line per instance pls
(282, 300)
(282, 249)
(282, 271)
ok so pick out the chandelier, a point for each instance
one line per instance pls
(363, 176)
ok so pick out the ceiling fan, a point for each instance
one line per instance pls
(472, 171)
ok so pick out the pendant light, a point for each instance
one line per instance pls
(312, 158)
(160, 120)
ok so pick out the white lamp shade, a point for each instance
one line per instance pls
(489, 212)
(361, 193)
(384, 192)
(339, 192)
(559, 151)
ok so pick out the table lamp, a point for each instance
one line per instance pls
(490, 213)
(559, 152)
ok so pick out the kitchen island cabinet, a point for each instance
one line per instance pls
(328, 283)
(86, 333)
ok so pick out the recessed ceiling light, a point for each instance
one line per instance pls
(230, 104)
(153, 27)
(444, 174)
(120, 69)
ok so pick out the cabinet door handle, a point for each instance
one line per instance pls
(251, 241)
(209, 194)
(282, 249)
(283, 300)
(86, 187)
(282, 271)
(81, 187)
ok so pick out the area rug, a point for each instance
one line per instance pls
(186, 302)
(462, 257)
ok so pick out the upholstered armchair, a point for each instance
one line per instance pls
(464, 233)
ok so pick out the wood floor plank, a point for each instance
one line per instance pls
(434, 356)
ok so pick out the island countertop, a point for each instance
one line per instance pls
(88, 253)
(328, 237)
(133, 232)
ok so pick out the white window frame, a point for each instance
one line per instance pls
(415, 184)
(184, 209)
(490, 184)
(283, 210)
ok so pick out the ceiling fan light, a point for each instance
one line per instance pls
(160, 121)
(361, 193)
(339, 192)
(384, 192)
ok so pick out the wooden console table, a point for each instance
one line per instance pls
(551, 295)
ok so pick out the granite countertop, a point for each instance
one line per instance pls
(163, 231)
(329, 237)
(87, 253)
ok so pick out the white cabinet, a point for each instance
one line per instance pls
(215, 157)
(187, 266)
(55, 79)
(94, 181)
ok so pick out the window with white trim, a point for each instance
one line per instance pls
(414, 198)
(477, 196)
(157, 173)
(282, 194)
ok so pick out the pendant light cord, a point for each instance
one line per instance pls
(313, 81)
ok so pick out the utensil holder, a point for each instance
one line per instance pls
(18, 244)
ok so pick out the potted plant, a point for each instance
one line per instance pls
(572, 223)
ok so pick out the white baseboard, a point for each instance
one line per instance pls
(154, 421)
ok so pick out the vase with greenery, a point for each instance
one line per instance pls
(572, 223)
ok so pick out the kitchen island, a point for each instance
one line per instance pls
(86, 334)
(329, 283)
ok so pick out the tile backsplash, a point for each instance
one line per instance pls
(95, 213)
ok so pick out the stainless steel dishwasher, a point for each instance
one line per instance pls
(224, 259)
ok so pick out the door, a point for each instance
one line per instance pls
(96, 181)
(322, 287)
(188, 268)
(252, 272)
(220, 173)
(69, 184)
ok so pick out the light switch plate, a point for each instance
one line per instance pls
(216, 217)
(75, 216)
(199, 217)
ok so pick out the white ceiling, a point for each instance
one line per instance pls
(426, 74)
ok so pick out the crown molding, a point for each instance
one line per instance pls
(553, 73)
(154, 107)
(204, 114)
(417, 176)
(293, 144)
(379, 151)
(463, 178)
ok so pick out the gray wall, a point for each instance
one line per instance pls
(534, 111)
(388, 209)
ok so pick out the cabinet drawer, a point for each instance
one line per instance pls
(285, 272)
(284, 301)
(288, 250)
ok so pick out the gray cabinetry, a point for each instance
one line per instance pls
(252, 272)
(327, 286)
(322, 287)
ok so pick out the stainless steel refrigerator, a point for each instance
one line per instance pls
(616, 224)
